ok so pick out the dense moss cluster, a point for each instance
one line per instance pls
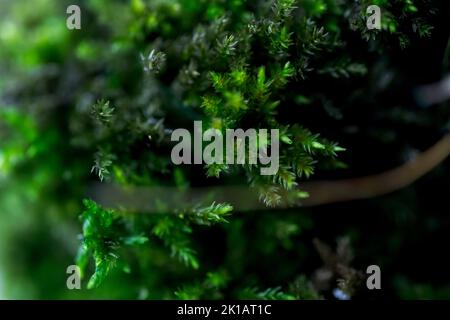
(98, 105)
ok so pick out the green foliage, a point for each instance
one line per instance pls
(102, 111)
(101, 104)
(103, 235)
(215, 213)
(268, 294)
(210, 288)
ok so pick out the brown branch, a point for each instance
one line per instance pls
(323, 192)
(243, 198)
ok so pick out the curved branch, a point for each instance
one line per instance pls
(323, 192)
(243, 198)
